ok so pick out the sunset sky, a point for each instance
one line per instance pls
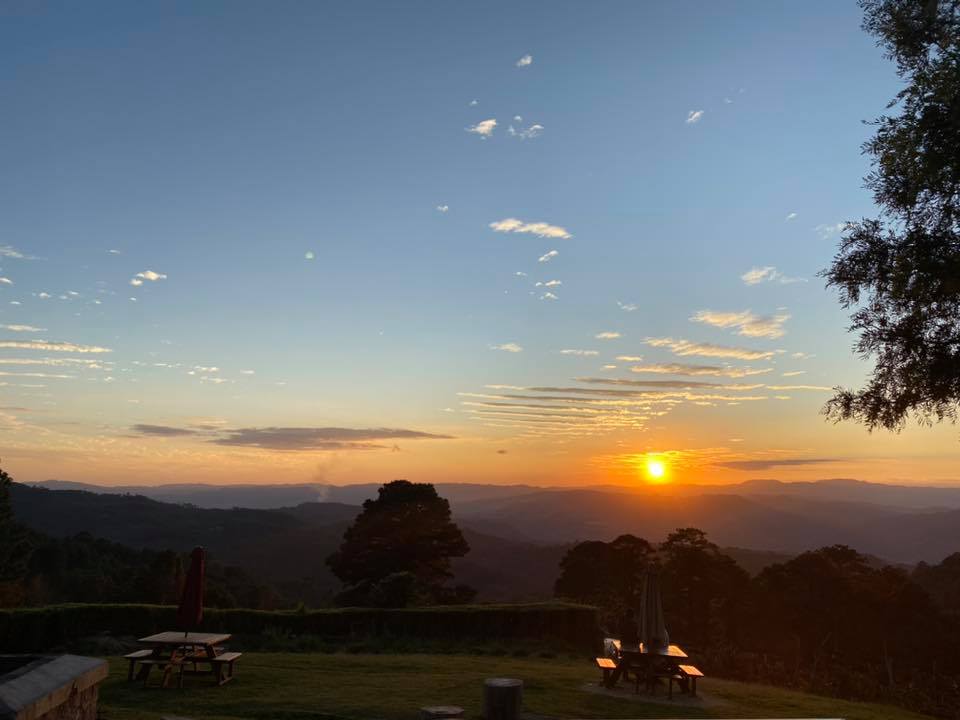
(485, 242)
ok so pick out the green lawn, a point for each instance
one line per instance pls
(299, 686)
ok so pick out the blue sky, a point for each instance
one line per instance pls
(304, 177)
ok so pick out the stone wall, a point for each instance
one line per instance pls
(64, 687)
(80, 705)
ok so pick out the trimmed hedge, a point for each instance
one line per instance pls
(43, 628)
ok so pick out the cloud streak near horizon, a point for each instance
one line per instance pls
(291, 438)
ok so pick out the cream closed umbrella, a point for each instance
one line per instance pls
(653, 629)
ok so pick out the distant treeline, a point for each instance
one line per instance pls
(826, 621)
(89, 570)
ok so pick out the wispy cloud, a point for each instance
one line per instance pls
(626, 307)
(767, 464)
(581, 353)
(23, 328)
(290, 438)
(548, 256)
(162, 430)
(666, 383)
(57, 362)
(52, 346)
(8, 251)
(793, 373)
(443, 208)
(507, 347)
(823, 388)
(549, 296)
(540, 229)
(745, 322)
(328, 438)
(607, 335)
(34, 375)
(6, 281)
(694, 116)
(827, 231)
(791, 216)
(686, 347)
(147, 275)
(696, 370)
(533, 131)
(484, 128)
(757, 275)
(525, 61)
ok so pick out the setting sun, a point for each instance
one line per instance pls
(656, 470)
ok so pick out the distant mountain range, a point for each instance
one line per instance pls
(904, 497)
(517, 533)
(275, 496)
(285, 547)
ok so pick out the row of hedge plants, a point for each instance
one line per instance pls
(558, 624)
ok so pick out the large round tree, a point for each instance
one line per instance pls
(399, 548)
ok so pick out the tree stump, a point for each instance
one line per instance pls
(502, 698)
(441, 712)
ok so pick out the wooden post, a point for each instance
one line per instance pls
(502, 698)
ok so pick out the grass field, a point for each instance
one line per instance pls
(300, 686)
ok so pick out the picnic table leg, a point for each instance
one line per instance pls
(615, 676)
(145, 669)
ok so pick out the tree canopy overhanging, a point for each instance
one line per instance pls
(900, 272)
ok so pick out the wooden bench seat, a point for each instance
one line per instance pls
(607, 665)
(132, 658)
(223, 666)
(690, 674)
(167, 665)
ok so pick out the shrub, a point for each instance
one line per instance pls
(555, 624)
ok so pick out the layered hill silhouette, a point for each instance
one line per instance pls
(903, 497)
(517, 534)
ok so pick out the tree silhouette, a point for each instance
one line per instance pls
(901, 271)
(606, 574)
(14, 544)
(703, 589)
(403, 539)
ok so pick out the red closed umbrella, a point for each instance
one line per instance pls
(190, 612)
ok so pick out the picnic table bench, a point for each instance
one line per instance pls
(649, 666)
(170, 651)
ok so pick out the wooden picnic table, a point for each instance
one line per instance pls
(171, 640)
(176, 649)
(641, 660)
